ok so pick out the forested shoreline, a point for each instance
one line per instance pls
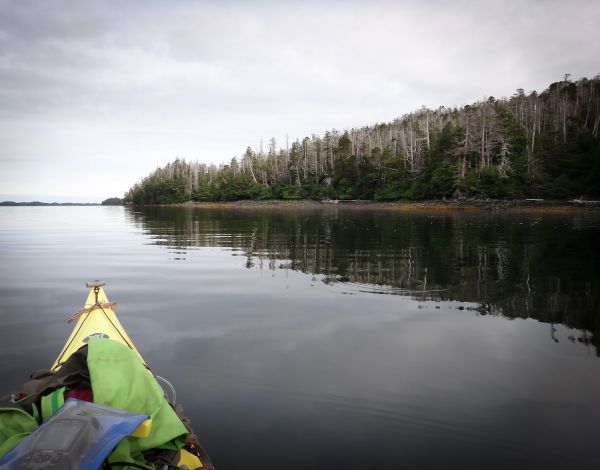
(532, 145)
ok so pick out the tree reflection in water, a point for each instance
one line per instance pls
(545, 267)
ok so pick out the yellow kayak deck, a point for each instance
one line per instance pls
(97, 318)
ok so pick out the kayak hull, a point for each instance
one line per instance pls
(98, 319)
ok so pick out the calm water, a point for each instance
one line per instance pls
(333, 339)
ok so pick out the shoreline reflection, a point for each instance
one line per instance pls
(510, 265)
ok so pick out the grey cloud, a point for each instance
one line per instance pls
(208, 78)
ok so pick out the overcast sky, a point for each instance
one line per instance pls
(96, 94)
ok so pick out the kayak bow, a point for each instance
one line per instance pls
(96, 318)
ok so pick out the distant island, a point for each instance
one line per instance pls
(531, 145)
(113, 201)
(39, 203)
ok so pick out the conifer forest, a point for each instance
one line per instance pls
(530, 145)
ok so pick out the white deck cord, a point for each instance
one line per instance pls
(173, 399)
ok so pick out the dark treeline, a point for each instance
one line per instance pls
(112, 201)
(39, 203)
(529, 145)
(506, 265)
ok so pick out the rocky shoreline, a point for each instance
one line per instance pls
(530, 205)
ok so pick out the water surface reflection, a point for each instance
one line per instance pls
(333, 339)
(513, 265)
